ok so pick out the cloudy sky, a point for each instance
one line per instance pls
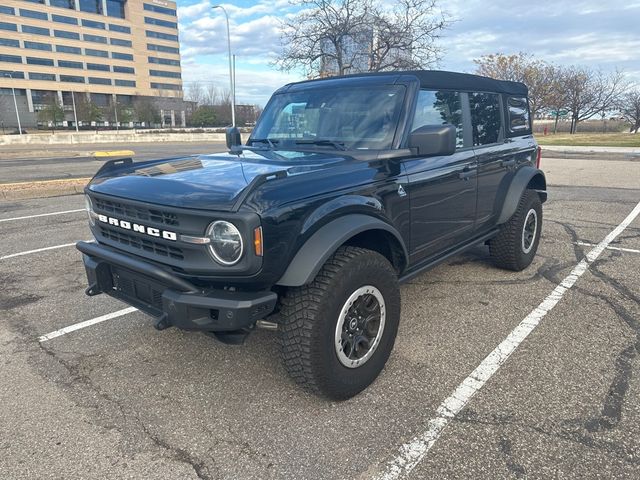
(603, 34)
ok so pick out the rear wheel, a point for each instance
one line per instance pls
(336, 333)
(517, 243)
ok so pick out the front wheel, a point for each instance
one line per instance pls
(337, 333)
(516, 244)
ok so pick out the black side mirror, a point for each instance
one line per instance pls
(233, 137)
(433, 140)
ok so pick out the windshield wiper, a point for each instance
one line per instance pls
(271, 143)
(322, 142)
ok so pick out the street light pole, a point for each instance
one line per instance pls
(15, 102)
(231, 80)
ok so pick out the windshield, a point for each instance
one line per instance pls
(353, 118)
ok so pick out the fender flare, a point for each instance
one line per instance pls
(518, 185)
(313, 254)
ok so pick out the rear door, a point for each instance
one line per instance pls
(497, 153)
(442, 190)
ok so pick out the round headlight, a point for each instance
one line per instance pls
(89, 207)
(226, 242)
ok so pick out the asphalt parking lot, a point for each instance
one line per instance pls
(118, 399)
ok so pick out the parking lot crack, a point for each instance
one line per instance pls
(506, 448)
(179, 454)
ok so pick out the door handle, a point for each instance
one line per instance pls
(468, 172)
(509, 163)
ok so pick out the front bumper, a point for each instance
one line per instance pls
(174, 301)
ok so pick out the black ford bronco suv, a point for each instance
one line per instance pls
(347, 187)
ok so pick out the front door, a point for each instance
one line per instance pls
(442, 190)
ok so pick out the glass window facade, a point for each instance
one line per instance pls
(12, 27)
(161, 23)
(121, 56)
(10, 58)
(70, 64)
(40, 61)
(158, 9)
(93, 24)
(164, 61)
(165, 86)
(162, 48)
(115, 8)
(7, 10)
(94, 38)
(121, 43)
(9, 42)
(91, 6)
(96, 53)
(100, 81)
(163, 73)
(65, 34)
(68, 49)
(98, 66)
(12, 74)
(33, 14)
(70, 4)
(119, 28)
(38, 46)
(71, 79)
(35, 30)
(49, 77)
(161, 36)
(125, 83)
(64, 19)
(120, 69)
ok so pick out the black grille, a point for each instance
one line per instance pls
(130, 211)
(142, 243)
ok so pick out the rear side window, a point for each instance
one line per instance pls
(439, 108)
(519, 119)
(486, 120)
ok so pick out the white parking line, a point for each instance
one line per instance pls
(411, 453)
(86, 323)
(620, 249)
(42, 215)
(38, 250)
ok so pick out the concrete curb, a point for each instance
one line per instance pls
(42, 189)
(559, 152)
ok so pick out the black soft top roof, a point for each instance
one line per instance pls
(437, 79)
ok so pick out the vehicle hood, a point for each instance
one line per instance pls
(208, 182)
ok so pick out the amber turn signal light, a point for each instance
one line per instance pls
(257, 241)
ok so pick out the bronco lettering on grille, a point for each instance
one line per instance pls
(136, 227)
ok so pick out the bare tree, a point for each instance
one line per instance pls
(630, 109)
(590, 92)
(541, 78)
(195, 93)
(335, 37)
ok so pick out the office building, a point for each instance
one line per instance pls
(106, 52)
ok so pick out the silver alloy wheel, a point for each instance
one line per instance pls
(360, 326)
(529, 230)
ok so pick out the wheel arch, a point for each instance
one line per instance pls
(355, 230)
(525, 178)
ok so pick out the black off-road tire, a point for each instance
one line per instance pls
(507, 249)
(310, 315)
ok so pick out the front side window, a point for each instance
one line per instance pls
(486, 120)
(357, 118)
(439, 108)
